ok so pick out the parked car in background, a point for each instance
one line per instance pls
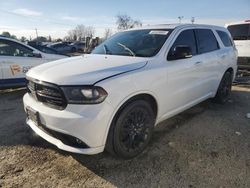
(79, 45)
(63, 47)
(17, 58)
(240, 32)
(45, 49)
(134, 80)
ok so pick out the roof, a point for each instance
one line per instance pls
(14, 40)
(173, 26)
(240, 22)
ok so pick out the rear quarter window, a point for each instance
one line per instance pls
(207, 42)
(225, 38)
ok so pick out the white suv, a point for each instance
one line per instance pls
(115, 96)
(240, 32)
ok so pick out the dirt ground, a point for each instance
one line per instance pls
(206, 146)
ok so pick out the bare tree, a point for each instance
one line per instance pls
(49, 38)
(107, 33)
(72, 35)
(81, 32)
(126, 22)
(137, 23)
(7, 34)
(89, 31)
(23, 39)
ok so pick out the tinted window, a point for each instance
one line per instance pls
(45, 49)
(239, 32)
(10, 48)
(185, 38)
(225, 38)
(141, 43)
(56, 45)
(206, 40)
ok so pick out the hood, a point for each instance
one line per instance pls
(86, 69)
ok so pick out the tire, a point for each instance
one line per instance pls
(131, 130)
(224, 90)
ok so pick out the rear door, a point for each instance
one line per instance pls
(16, 59)
(210, 65)
(228, 55)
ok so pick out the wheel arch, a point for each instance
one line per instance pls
(231, 70)
(147, 96)
(141, 96)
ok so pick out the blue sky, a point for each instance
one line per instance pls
(55, 18)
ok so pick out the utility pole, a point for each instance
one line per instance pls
(36, 33)
(180, 18)
(192, 20)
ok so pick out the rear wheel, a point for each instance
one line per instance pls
(131, 130)
(224, 90)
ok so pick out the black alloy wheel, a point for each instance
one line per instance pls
(132, 130)
(224, 89)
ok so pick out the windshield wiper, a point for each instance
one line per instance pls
(126, 48)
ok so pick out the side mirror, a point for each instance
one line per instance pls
(180, 52)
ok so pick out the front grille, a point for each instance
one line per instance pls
(49, 94)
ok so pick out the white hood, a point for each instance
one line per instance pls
(85, 70)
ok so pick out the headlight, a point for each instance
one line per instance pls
(84, 94)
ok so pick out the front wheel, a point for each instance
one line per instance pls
(131, 130)
(224, 90)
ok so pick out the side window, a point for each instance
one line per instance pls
(225, 38)
(185, 38)
(10, 48)
(206, 40)
(57, 46)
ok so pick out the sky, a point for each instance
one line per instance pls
(57, 17)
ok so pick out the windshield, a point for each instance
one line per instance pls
(45, 49)
(140, 43)
(240, 32)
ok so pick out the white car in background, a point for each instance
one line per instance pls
(17, 58)
(240, 32)
(134, 80)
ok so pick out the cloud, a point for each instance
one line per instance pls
(26, 12)
(71, 18)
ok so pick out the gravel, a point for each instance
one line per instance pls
(200, 147)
